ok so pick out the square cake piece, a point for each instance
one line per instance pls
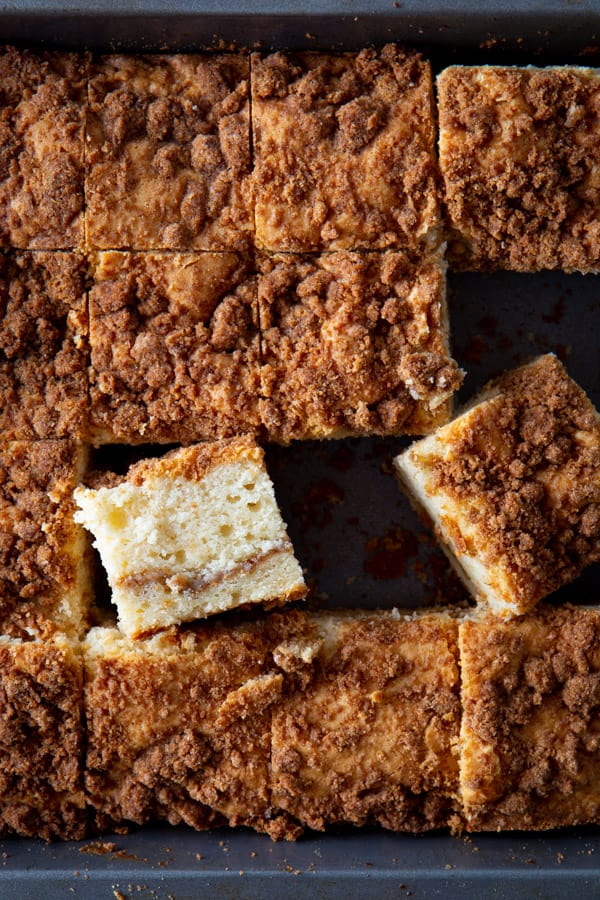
(41, 740)
(344, 151)
(43, 346)
(175, 347)
(191, 534)
(519, 151)
(42, 110)
(45, 574)
(168, 153)
(353, 344)
(512, 486)
(530, 734)
(179, 726)
(366, 730)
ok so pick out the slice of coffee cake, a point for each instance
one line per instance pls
(191, 534)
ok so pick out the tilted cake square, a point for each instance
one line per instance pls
(174, 347)
(45, 573)
(43, 346)
(366, 730)
(168, 153)
(344, 151)
(353, 344)
(41, 740)
(512, 486)
(530, 733)
(42, 113)
(191, 534)
(519, 157)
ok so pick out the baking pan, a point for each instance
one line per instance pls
(352, 529)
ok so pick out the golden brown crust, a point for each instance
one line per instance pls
(194, 463)
(41, 741)
(168, 153)
(43, 346)
(518, 152)
(367, 728)
(183, 733)
(531, 699)
(344, 151)
(353, 344)
(41, 149)
(43, 584)
(526, 473)
(175, 347)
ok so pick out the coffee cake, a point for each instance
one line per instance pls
(344, 151)
(191, 534)
(366, 731)
(530, 742)
(179, 726)
(175, 347)
(512, 486)
(43, 346)
(519, 154)
(45, 577)
(168, 153)
(353, 344)
(41, 740)
(42, 110)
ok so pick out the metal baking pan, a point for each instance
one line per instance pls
(352, 529)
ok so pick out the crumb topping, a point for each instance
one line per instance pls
(168, 153)
(526, 471)
(344, 149)
(42, 102)
(353, 344)
(518, 153)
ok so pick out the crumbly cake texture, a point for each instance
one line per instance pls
(344, 151)
(518, 153)
(367, 728)
(42, 109)
(353, 344)
(43, 346)
(168, 153)
(193, 533)
(529, 737)
(45, 574)
(174, 347)
(512, 486)
(41, 740)
(179, 726)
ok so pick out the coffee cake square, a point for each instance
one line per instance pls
(43, 346)
(45, 576)
(41, 740)
(353, 344)
(179, 726)
(366, 730)
(174, 347)
(530, 733)
(519, 151)
(512, 486)
(168, 153)
(42, 111)
(344, 151)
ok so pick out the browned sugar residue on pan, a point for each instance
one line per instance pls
(387, 555)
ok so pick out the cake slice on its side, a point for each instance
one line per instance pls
(191, 534)
(41, 739)
(179, 726)
(366, 730)
(512, 486)
(45, 559)
(530, 736)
